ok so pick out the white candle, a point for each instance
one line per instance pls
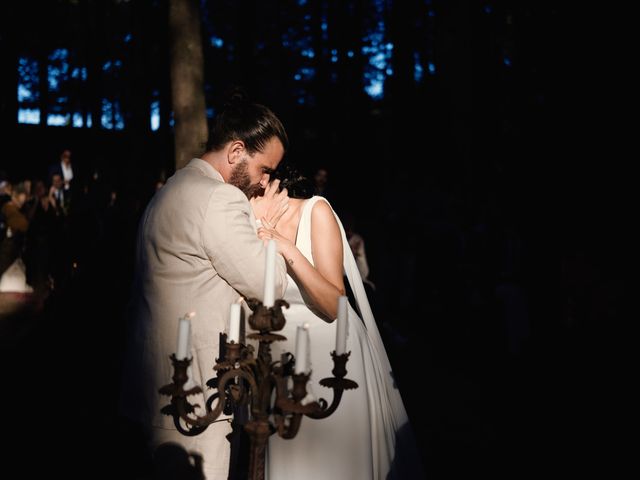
(234, 323)
(341, 330)
(184, 332)
(190, 383)
(270, 275)
(302, 350)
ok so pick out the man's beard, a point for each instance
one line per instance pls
(240, 178)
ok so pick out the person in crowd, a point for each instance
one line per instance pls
(60, 195)
(5, 196)
(321, 183)
(356, 243)
(12, 269)
(64, 168)
(40, 239)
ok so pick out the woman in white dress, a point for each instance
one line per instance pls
(368, 436)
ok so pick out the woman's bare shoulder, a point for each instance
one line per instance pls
(322, 214)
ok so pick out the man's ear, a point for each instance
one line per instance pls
(235, 151)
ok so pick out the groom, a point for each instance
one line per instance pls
(197, 251)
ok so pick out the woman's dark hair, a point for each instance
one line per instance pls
(252, 123)
(297, 185)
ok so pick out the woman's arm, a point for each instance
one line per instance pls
(323, 283)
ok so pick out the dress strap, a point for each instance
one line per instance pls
(303, 238)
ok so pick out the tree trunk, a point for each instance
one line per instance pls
(95, 53)
(9, 78)
(187, 75)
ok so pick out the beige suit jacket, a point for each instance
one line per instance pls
(197, 251)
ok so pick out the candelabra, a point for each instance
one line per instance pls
(246, 380)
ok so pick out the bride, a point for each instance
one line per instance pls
(368, 436)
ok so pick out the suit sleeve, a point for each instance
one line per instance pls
(231, 243)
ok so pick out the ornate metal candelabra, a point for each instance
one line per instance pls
(244, 380)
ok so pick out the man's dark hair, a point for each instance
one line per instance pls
(252, 123)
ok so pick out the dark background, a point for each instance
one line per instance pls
(500, 176)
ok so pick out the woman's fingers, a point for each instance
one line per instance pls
(279, 214)
(268, 188)
(282, 193)
(280, 204)
(272, 188)
(264, 233)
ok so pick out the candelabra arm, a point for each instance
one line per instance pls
(227, 377)
(288, 430)
(290, 407)
(180, 407)
(326, 409)
(337, 383)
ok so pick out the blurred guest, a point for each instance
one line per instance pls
(27, 188)
(324, 188)
(356, 242)
(60, 195)
(5, 196)
(31, 201)
(61, 238)
(320, 180)
(12, 270)
(63, 168)
(42, 227)
(5, 191)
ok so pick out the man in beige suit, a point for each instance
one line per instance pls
(198, 252)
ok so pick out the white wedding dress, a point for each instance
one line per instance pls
(368, 436)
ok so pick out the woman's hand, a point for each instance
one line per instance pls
(272, 205)
(267, 232)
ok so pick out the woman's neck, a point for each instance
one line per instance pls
(288, 224)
